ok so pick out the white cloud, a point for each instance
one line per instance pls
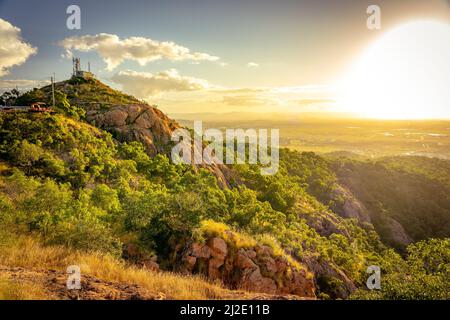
(114, 50)
(13, 50)
(145, 85)
(252, 65)
(22, 85)
(176, 93)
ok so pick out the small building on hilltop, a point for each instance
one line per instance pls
(84, 74)
(77, 72)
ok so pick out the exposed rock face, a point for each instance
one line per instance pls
(352, 207)
(397, 233)
(255, 269)
(218, 251)
(324, 272)
(148, 125)
(324, 222)
(54, 286)
(136, 122)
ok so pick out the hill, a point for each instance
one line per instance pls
(122, 115)
(88, 94)
(96, 179)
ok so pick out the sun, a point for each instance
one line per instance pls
(403, 75)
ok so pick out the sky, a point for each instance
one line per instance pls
(191, 56)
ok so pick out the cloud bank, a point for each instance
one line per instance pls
(178, 93)
(13, 50)
(114, 50)
(146, 85)
(252, 65)
(22, 84)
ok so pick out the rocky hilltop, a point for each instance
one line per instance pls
(124, 116)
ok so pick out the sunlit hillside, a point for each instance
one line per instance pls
(77, 183)
(225, 150)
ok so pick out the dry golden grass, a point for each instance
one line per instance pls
(28, 253)
(3, 167)
(212, 228)
(14, 290)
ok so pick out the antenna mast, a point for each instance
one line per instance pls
(76, 66)
(53, 89)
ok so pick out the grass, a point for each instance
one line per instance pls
(211, 228)
(3, 167)
(26, 252)
(14, 290)
(278, 251)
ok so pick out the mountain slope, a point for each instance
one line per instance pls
(125, 117)
(404, 203)
(96, 177)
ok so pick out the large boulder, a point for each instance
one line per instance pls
(218, 248)
(255, 281)
(136, 122)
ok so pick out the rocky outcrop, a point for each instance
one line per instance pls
(329, 279)
(349, 206)
(148, 125)
(324, 221)
(136, 122)
(255, 269)
(396, 234)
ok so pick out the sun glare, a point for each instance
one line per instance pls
(403, 75)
